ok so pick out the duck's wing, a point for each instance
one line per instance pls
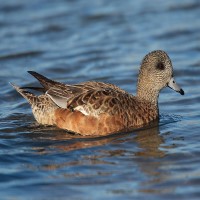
(95, 102)
(73, 89)
(88, 97)
(86, 94)
(91, 102)
(44, 81)
(99, 85)
(62, 95)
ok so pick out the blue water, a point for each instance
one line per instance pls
(75, 41)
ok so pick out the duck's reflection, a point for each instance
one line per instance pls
(144, 143)
(148, 140)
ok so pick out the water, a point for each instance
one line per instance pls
(74, 41)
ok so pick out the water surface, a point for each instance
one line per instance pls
(75, 41)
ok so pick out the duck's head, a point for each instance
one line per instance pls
(156, 73)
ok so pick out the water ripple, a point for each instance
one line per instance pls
(20, 55)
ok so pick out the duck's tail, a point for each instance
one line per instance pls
(30, 97)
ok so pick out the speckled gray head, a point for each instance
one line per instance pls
(156, 73)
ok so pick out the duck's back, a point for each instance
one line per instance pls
(103, 109)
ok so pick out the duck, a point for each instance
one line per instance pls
(98, 109)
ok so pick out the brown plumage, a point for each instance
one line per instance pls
(97, 108)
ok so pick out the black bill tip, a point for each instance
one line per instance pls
(181, 92)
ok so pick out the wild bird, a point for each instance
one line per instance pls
(97, 108)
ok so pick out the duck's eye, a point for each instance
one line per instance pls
(160, 66)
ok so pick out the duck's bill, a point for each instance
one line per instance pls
(173, 85)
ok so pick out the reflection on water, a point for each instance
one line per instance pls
(144, 143)
(147, 138)
(149, 141)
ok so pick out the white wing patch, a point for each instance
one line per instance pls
(82, 110)
(60, 102)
